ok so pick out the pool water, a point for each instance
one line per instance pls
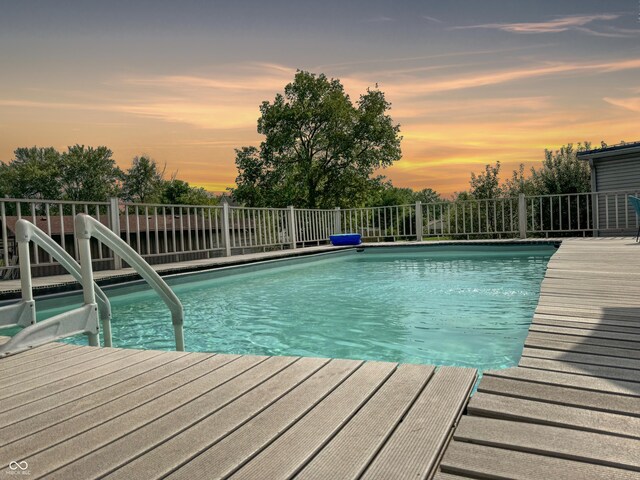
(468, 307)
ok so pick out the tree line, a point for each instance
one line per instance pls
(90, 174)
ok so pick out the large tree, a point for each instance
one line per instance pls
(320, 149)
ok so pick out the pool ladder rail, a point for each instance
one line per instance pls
(96, 306)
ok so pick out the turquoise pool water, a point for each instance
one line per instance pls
(455, 306)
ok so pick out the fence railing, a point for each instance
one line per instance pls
(170, 233)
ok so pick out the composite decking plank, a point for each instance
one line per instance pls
(73, 373)
(600, 320)
(293, 449)
(588, 311)
(235, 450)
(102, 365)
(480, 461)
(570, 301)
(125, 448)
(601, 342)
(557, 394)
(580, 332)
(578, 357)
(29, 406)
(74, 426)
(611, 373)
(620, 387)
(599, 327)
(177, 450)
(416, 445)
(35, 354)
(534, 341)
(352, 449)
(527, 410)
(59, 362)
(448, 476)
(48, 411)
(551, 441)
(28, 370)
(86, 443)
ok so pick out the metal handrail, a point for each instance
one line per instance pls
(23, 314)
(88, 227)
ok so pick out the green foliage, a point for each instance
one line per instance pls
(427, 195)
(34, 173)
(80, 173)
(179, 192)
(486, 184)
(320, 150)
(143, 181)
(388, 195)
(562, 172)
(89, 174)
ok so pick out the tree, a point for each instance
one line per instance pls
(486, 185)
(179, 192)
(88, 174)
(33, 173)
(143, 181)
(389, 195)
(562, 172)
(320, 150)
(427, 195)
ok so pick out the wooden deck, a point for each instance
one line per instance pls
(84, 412)
(571, 409)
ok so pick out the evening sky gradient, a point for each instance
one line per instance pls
(470, 82)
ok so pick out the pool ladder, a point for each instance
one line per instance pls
(96, 306)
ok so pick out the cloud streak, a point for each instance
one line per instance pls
(631, 103)
(560, 24)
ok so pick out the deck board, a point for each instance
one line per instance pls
(479, 461)
(551, 441)
(162, 459)
(235, 450)
(534, 411)
(434, 414)
(350, 452)
(561, 395)
(283, 457)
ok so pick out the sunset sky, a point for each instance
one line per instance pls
(470, 82)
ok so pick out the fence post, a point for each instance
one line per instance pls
(292, 226)
(337, 221)
(225, 229)
(419, 221)
(522, 216)
(114, 212)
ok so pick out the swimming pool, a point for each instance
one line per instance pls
(467, 306)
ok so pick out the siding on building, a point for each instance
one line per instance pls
(619, 172)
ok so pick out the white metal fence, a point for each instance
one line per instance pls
(170, 233)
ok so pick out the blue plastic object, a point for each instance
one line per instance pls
(345, 239)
